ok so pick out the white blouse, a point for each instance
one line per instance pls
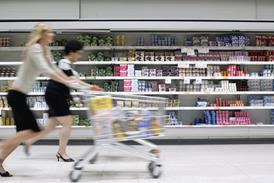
(34, 65)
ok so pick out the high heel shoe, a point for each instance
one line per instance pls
(59, 156)
(5, 174)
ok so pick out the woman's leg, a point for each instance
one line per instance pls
(8, 145)
(51, 124)
(66, 122)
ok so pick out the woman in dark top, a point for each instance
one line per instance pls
(57, 98)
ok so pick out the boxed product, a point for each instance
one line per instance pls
(149, 56)
(140, 56)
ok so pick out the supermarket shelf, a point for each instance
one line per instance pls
(15, 63)
(171, 108)
(21, 48)
(226, 77)
(173, 62)
(172, 78)
(10, 63)
(151, 48)
(169, 93)
(220, 108)
(13, 78)
(177, 132)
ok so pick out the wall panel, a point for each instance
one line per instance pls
(39, 9)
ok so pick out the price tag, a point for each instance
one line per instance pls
(201, 65)
(188, 51)
(168, 81)
(204, 50)
(183, 65)
(186, 81)
(183, 50)
(198, 81)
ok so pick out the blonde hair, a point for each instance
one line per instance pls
(35, 36)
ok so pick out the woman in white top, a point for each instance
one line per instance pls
(37, 60)
(57, 97)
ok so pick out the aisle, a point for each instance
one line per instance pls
(182, 164)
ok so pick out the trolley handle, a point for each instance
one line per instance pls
(126, 96)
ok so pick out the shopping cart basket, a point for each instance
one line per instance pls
(121, 117)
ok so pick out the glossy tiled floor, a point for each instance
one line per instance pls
(182, 164)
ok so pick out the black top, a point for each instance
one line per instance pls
(55, 87)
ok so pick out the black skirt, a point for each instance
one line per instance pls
(23, 117)
(58, 103)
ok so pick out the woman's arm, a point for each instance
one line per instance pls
(84, 84)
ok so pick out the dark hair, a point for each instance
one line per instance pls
(73, 46)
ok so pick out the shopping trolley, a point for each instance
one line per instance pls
(121, 117)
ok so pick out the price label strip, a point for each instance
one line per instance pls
(203, 50)
(183, 65)
(198, 81)
(201, 65)
(188, 51)
(168, 81)
(186, 80)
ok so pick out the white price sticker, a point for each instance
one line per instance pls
(168, 81)
(203, 50)
(186, 81)
(198, 81)
(183, 65)
(188, 51)
(201, 65)
(183, 50)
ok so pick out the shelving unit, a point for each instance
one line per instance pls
(169, 93)
(96, 48)
(86, 63)
(261, 124)
(152, 78)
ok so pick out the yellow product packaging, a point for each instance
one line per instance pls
(100, 104)
(1, 121)
(118, 133)
(156, 127)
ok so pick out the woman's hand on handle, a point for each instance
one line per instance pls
(95, 88)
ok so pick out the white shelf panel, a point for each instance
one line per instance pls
(15, 63)
(230, 62)
(220, 108)
(172, 62)
(227, 78)
(150, 48)
(173, 126)
(218, 126)
(169, 93)
(180, 47)
(173, 78)
(13, 78)
(10, 63)
(171, 108)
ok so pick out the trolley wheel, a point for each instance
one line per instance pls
(76, 165)
(94, 159)
(75, 175)
(155, 169)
